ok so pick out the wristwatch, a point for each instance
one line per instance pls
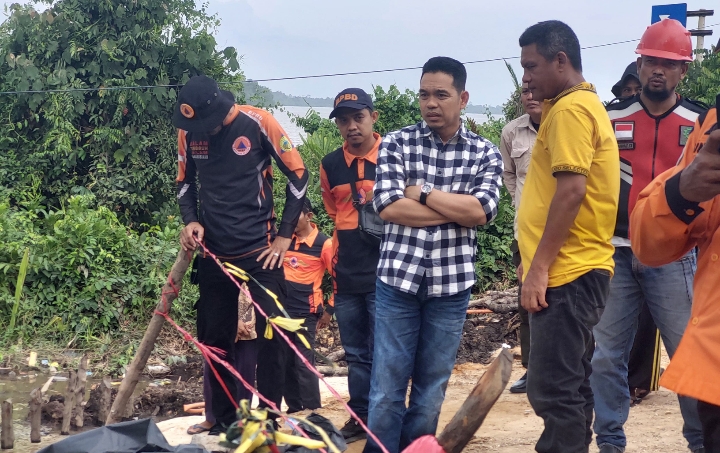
(425, 190)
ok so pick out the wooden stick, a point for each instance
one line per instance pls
(47, 385)
(105, 398)
(35, 414)
(7, 437)
(479, 311)
(80, 392)
(132, 374)
(472, 413)
(69, 400)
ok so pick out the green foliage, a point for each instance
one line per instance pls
(513, 107)
(19, 289)
(702, 81)
(87, 275)
(493, 265)
(117, 144)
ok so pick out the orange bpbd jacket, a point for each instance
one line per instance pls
(305, 264)
(664, 227)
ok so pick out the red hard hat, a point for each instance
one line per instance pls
(666, 39)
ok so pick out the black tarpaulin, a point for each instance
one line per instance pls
(136, 436)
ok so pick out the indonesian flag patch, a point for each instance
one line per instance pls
(624, 131)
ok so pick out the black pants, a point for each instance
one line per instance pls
(217, 318)
(644, 363)
(302, 387)
(561, 348)
(710, 419)
(524, 315)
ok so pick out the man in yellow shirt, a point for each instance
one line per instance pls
(565, 226)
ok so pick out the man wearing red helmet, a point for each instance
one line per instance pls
(651, 129)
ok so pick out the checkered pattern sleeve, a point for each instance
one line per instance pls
(390, 174)
(486, 185)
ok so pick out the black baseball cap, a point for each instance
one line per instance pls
(630, 71)
(352, 98)
(202, 105)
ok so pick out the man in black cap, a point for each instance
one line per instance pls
(356, 254)
(229, 148)
(629, 84)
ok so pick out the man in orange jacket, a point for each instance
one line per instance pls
(678, 211)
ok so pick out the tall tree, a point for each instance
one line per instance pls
(118, 144)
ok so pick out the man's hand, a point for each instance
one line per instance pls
(275, 254)
(413, 193)
(243, 330)
(519, 273)
(324, 321)
(700, 181)
(533, 290)
(187, 241)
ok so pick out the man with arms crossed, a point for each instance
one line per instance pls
(436, 182)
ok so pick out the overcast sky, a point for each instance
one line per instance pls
(286, 38)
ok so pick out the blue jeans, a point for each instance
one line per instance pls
(355, 314)
(416, 337)
(667, 290)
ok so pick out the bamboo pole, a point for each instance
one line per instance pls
(132, 374)
(80, 392)
(35, 414)
(7, 437)
(69, 403)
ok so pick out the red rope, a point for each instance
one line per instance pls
(214, 354)
(296, 350)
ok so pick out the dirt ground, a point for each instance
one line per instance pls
(512, 427)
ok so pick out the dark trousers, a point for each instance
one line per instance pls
(217, 318)
(710, 419)
(524, 315)
(302, 387)
(245, 364)
(561, 348)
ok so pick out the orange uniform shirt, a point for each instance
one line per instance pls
(664, 227)
(305, 264)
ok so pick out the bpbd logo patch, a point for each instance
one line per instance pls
(241, 146)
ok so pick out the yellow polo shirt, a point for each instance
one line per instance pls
(575, 136)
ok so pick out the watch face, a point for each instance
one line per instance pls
(426, 188)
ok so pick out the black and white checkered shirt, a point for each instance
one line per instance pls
(444, 254)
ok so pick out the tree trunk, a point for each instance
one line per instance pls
(7, 437)
(69, 399)
(79, 402)
(132, 374)
(105, 398)
(472, 413)
(35, 415)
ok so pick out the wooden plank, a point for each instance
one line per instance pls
(7, 436)
(132, 374)
(47, 384)
(69, 400)
(472, 413)
(79, 402)
(35, 414)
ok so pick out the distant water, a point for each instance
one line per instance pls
(295, 133)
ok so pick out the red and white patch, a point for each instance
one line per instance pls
(624, 131)
(241, 145)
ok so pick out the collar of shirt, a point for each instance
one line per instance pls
(426, 131)
(580, 86)
(525, 121)
(309, 239)
(370, 156)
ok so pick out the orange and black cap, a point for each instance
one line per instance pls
(352, 98)
(202, 105)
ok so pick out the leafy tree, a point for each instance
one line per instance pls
(702, 81)
(118, 145)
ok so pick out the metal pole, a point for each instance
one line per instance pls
(700, 39)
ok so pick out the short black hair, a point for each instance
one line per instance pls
(552, 37)
(448, 66)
